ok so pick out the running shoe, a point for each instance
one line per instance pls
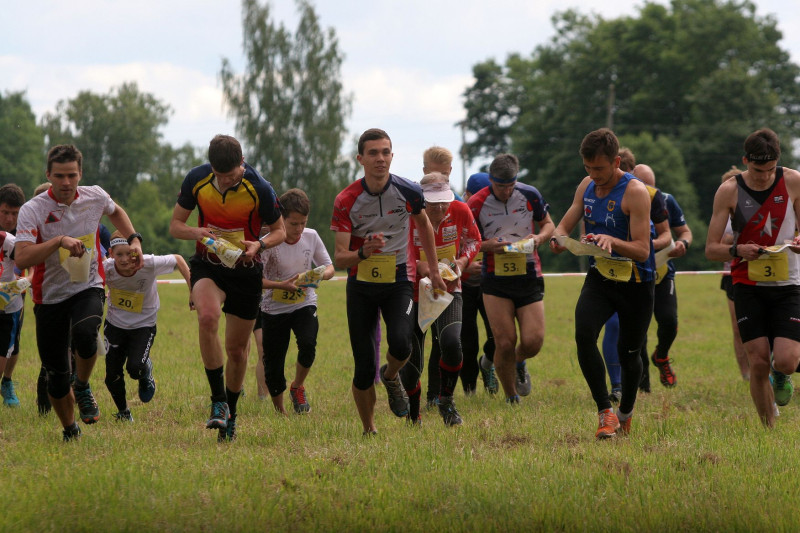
(489, 380)
(447, 408)
(616, 395)
(124, 416)
(9, 394)
(431, 403)
(87, 405)
(625, 426)
(72, 433)
(228, 433)
(609, 424)
(398, 399)
(220, 414)
(782, 387)
(666, 375)
(414, 422)
(523, 381)
(513, 400)
(147, 384)
(299, 401)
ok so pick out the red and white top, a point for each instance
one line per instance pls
(456, 236)
(284, 261)
(41, 218)
(133, 300)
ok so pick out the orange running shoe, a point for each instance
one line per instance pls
(666, 375)
(625, 426)
(609, 424)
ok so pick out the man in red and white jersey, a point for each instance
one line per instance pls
(512, 282)
(52, 228)
(371, 218)
(763, 204)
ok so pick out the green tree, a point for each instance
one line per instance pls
(696, 75)
(21, 145)
(118, 134)
(290, 108)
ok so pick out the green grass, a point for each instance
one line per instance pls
(697, 459)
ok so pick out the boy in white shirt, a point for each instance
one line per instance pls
(131, 319)
(285, 307)
(11, 301)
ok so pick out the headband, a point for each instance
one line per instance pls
(115, 242)
(501, 180)
(760, 157)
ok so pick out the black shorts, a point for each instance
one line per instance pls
(241, 285)
(726, 284)
(767, 311)
(521, 291)
(8, 323)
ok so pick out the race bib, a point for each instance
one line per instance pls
(88, 243)
(446, 251)
(126, 300)
(614, 269)
(288, 297)
(377, 268)
(773, 267)
(509, 264)
(661, 272)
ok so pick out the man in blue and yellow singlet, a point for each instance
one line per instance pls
(615, 208)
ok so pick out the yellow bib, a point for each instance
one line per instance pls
(126, 300)
(773, 267)
(509, 264)
(661, 272)
(446, 251)
(377, 268)
(614, 269)
(288, 297)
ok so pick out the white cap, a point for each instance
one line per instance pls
(437, 192)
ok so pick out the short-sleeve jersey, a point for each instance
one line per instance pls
(284, 261)
(510, 221)
(764, 218)
(133, 300)
(360, 213)
(41, 218)
(235, 215)
(7, 271)
(457, 236)
(605, 216)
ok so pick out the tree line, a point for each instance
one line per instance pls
(682, 85)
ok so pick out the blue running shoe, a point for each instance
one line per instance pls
(87, 405)
(219, 416)
(489, 380)
(9, 394)
(447, 408)
(229, 433)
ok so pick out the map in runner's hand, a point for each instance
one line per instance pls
(582, 248)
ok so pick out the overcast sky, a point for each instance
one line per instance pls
(406, 62)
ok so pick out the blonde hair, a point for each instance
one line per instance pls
(438, 155)
(434, 177)
(41, 188)
(733, 171)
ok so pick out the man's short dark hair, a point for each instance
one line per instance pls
(372, 134)
(64, 153)
(295, 201)
(11, 194)
(504, 167)
(224, 153)
(762, 145)
(600, 142)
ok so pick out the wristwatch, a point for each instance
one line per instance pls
(685, 243)
(261, 245)
(733, 250)
(135, 236)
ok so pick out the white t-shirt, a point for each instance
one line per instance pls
(41, 218)
(7, 271)
(133, 301)
(284, 261)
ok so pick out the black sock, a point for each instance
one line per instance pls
(413, 401)
(216, 379)
(233, 399)
(449, 378)
(80, 385)
(5, 379)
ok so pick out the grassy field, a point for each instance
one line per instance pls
(697, 459)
